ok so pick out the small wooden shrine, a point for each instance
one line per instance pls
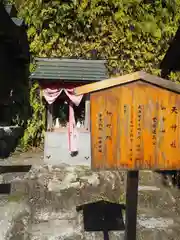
(67, 138)
(134, 122)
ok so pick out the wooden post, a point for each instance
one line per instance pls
(49, 116)
(131, 205)
(106, 235)
(87, 112)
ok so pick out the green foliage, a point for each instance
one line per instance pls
(131, 34)
(33, 135)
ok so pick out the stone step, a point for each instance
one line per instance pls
(150, 196)
(14, 219)
(53, 195)
(65, 228)
(168, 178)
(149, 178)
(41, 232)
(154, 200)
(72, 186)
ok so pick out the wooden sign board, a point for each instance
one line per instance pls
(135, 122)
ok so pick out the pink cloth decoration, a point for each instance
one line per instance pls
(51, 93)
(72, 130)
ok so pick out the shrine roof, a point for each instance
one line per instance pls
(75, 70)
(127, 79)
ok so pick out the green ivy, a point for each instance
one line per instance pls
(34, 133)
(131, 34)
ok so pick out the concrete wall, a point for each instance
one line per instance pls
(56, 149)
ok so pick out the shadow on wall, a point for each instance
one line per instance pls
(14, 73)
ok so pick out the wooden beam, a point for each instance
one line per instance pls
(14, 168)
(136, 76)
(106, 83)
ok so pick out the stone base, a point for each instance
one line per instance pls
(56, 149)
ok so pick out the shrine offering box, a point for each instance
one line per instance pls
(135, 122)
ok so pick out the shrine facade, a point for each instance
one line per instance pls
(67, 136)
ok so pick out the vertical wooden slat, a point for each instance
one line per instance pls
(87, 112)
(97, 129)
(110, 129)
(49, 116)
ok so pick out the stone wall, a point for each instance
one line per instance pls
(42, 203)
